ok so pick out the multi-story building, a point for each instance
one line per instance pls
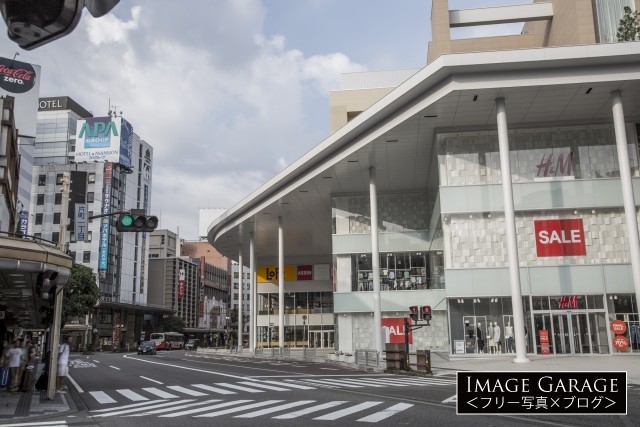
(108, 168)
(9, 166)
(495, 185)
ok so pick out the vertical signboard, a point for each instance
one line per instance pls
(80, 222)
(146, 177)
(24, 222)
(181, 284)
(544, 341)
(104, 223)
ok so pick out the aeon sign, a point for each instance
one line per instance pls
(560, 237)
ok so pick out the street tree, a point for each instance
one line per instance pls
(173, 324)
(80, 293)
(628, 27)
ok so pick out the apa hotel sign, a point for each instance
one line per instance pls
(560, 237)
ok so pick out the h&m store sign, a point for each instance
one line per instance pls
(560, 237)
(266, 274)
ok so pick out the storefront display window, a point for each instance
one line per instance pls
(623, 309)
(399, 271)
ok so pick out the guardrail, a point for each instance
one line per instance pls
(367, 357)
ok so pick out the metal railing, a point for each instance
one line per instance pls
(367, 357)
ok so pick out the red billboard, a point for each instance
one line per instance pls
(560, 237)
(395, 327)
(304, 272)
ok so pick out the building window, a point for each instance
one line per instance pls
(90, 197)
(56, 217)
(92, 177)
(90, 215)
(42, 180)
(39, 219)
(73, 256)
(40, 199)
(55, 237)
(89, 235)
(58, 198)
(86, 256)
(59, 179)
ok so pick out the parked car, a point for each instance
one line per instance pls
(192, 344)
(147, 347)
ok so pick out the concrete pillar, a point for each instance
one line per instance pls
(280, 285)
(252, 293)
(375, 262)
(240, 296)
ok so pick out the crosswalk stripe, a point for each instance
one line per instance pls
(359, 382)
(173, 408)
(238, 387)
(289, 384)
(131, 395)
(275, 409)
(213, 389)
(160, 393)
(385, 413)
(242, 408)
(185, 390)
(101, 397)
(384, 383)
(259, 385)
(334, 382)
(128, 411)
(347, 411)
(133, 405)
(45, 423)
(310, 410)
(208, 408)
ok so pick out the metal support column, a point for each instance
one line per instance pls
(240, 302)
(252, 293)
(280, 285)
(375, 261)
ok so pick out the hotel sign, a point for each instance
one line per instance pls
(560, 237)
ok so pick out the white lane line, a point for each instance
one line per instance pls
(383, 382)
(149, 379)
(275, 409)
(45, 423)
(268, 387)
(131, 395)
(242, 408)
(128, 411)
(385, 413)
(75, 384)
(160, 393)
(347, 411)
(97, 361)
(114, 367)
(136, 405)
(329, 369)
(185, 390)
(335, 383)
(173, 408)
(101, 397)
(292, 385)
(452, 399)
(359, 382)
(310, 410)
(238, 387)
(213, 389)
(208, 408)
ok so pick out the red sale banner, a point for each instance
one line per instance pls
(620, 343)
(618, 327)
(560, 237)
(395, 326)
(544, 341)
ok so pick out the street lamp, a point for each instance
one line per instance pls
(304, 329)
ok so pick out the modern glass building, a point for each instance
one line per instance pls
(497, 185)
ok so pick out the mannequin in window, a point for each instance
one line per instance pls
(493, 345)
(496, 336)
(480, 336)
(508, 338)
(469, 328)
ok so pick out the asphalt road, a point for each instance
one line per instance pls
(194, 389)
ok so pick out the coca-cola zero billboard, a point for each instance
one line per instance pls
(16, 76)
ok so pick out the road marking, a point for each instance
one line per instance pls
(242, 408)
(386, 413)
(149, 379)
(131, 395)
(242, 377)
(97, 361)
(452, 399)
(114, 367)
(334, 383)
(275, 409)
(173, 408)
(101, 397)
(360, 382)
(46, 423)
(127, 411)
(268, 387)
(208, 408)
(185, 390)
(136, 405)
(289, 384)
(330, 369)
(160, 393)
(348, 411)
(310, 410)
(213, 389)
(238, 387)
(75, 384)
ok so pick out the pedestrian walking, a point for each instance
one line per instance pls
(63, 363)
(14, 355)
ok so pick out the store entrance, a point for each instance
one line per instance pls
(321, 339)
(568, 332)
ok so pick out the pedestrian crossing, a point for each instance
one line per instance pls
(255, 386)
(369, 411)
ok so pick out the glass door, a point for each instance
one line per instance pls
(542, 327)
(580, 333)
(561, 334)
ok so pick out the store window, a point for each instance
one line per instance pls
(624, 308)
(399, 271)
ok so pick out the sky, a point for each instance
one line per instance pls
(228, 92)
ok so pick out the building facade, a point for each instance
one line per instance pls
(495, 186)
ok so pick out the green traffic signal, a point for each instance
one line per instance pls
(136, 221)
(126, 220)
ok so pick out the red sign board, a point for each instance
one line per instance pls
(304, 272)
(395, 326)
(621, 343)
(618, 327)
(568, 302)
(560, 237)
(544, 341)
(181, 289)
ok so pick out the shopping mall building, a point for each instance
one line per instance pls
(500, 177)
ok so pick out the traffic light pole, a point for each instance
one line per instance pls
(408, 328)
(109, 214)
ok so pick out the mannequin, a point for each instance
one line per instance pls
(469, 328)
(508, 338)
(480, 336)
(493, 345)
(496, 336)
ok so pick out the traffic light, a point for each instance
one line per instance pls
(414, 313)
(136, 221)
(426, 312)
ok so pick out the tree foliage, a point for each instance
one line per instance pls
(80, 293)
(173, 324)
(628, 27)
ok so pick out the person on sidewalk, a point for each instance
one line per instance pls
(63, 362)
(13, 355)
